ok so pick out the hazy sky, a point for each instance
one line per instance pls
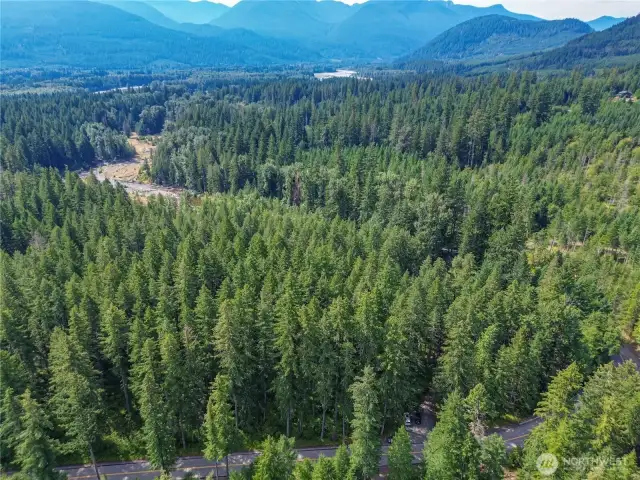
(583, 9)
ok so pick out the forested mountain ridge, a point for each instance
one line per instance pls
(495, 35)
(390, 28)
(620, 40)
(88, 34)
(362, 245)
(616, 46)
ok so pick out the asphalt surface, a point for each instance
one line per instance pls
(141, 470)
(513, 435)
(627, 352)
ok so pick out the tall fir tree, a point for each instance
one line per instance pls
(400, 456)
(35, 449)
(10, 427)
(324, 469)
(365, 449)
(77, 399)
(287, 335)
(452, 452)
(157, 424)
(115, 347)
(303, 470)
(276, 461)
(221, 435)
(342, 461)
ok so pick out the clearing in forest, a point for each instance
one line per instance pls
(128, 170)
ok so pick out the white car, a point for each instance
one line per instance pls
(407, 420)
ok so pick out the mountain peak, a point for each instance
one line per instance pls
(604, 22)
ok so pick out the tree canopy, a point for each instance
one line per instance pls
(354, 247)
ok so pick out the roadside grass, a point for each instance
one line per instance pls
(254, 443)
(507, 419)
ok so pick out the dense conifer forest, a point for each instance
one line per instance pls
(344, 251)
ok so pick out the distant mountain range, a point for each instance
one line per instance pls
(378, 28)
(151, 14)
(611, 46)
(298, 19)
(186, 11)
(179, 11)
(166, 33)
(602, 23)
(496, 35)
(143, 10)
(617, 45)
(88, 34)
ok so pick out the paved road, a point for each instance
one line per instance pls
(627, 352)
(513, 435)
(141, 470)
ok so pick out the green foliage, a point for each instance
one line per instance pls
(221, 436)
(35, 450)
(77, 399)
(324, 469)
(303, 470)
(158, 424)
(400, 456)
(10, 413)
(342, 461)
(356, 224)
(451, 450)
(276, 461)
(478, 409)
(602, 424)
(559, 399)
(514, 458)
(106, 144)
(493, 457)
(365, 449)
(115, 347)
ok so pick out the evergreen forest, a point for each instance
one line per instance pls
(343, 252)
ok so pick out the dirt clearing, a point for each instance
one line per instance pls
(128, 170)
